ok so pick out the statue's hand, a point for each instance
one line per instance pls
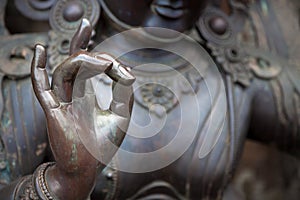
(74, 174)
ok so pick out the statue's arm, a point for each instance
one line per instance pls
(276, 110)
(73, 174)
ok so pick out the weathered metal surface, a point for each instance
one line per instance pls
(249, 42)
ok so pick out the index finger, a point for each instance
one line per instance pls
(78, 67)
(82, 37)
(118, 73)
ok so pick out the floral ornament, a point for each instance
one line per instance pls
(64, 23)
(234, 62)
(217, 30)
(161, 94)
(58, 48)
(244, 64)
(154, 93)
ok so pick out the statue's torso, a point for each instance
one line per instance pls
(189, 152)
(184, 170)
(186, 132)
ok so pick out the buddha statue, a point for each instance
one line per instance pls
(149, 99)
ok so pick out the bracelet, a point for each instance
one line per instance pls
(25, 189)
(40, 181)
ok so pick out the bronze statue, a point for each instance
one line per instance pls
(240, 82)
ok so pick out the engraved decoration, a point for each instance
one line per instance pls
(64, 19)
(161, 94)
(35, 9)
(242, 63)
(153, 93)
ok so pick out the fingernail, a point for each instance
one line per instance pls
(120, 74)
(126, 74)
(40, 56)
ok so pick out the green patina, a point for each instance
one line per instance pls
(74, 157)
(265, 8)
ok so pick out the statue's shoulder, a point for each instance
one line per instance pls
(247, 43)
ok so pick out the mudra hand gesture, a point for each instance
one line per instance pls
(73, 175)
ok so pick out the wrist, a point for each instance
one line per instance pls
(40, 182)
(34, 187)
(64, 185)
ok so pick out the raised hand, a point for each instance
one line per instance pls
(73, 175)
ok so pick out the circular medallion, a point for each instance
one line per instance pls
(155, 93)
(35, 9)
(215, 26)
(66, 15)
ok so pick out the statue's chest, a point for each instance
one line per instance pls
(178, 140)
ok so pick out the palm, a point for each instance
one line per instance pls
(73, 118)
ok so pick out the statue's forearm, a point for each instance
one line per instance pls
(276, 112)
(28, 187)
(49, 182)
